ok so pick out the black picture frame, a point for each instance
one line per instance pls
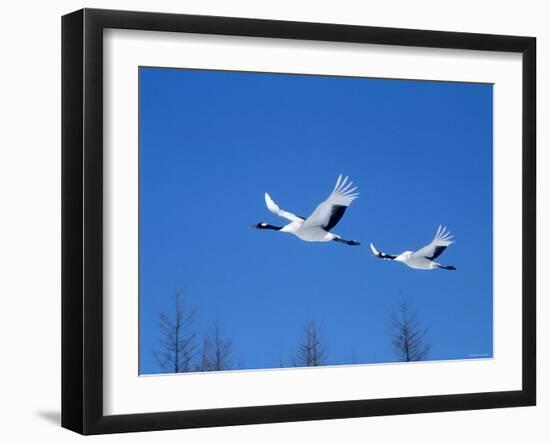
(82, 221)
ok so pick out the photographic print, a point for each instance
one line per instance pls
(291, 221)
(272, 221)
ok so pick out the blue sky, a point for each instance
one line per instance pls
(211, 144)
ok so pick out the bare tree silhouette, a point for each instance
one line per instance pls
(409, 338)
(312, 350)
(177, 347)
(216, 352)
(204, 359)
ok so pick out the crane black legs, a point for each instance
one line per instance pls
(448, 268)
(347, 242)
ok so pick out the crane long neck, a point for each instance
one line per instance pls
(274, 228)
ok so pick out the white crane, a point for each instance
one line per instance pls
(424, 257)
(316, 228)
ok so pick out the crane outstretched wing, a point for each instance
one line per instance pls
(272, 206)
(329, 213)
(442, 239)
(381, 254)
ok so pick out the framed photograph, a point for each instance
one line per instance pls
(268, 221)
